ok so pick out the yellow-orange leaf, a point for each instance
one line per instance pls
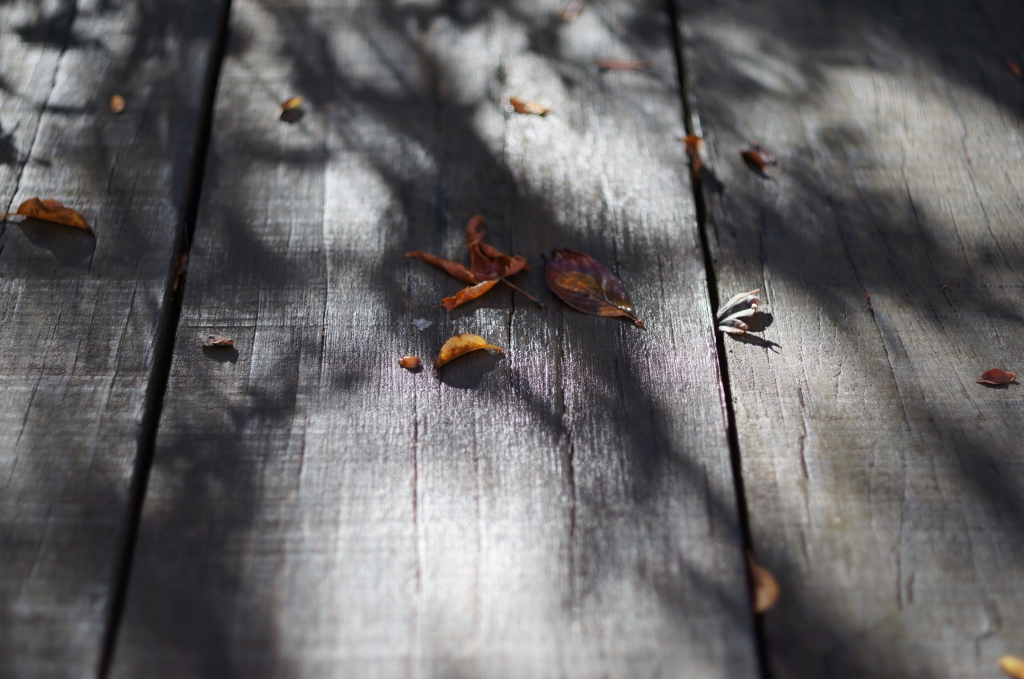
(528, 107)
(764, 585)
(117, 104)
(290, 111)
(1014, 667)
(462, 344)
(51, 211)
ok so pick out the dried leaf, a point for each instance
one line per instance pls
(528, 107)
(117, 104)
(422, 324)
(488, 266)
(587, 285)
(51, 211)
(1014, 667)
(409, 362)
(290, 111)
(757, 157)
(622, 64)
(1014, 68)
(997, 377)
(180, 270)
(215, 339)
(764, 585)
(693, 147)
(462, 344)
(571, 11)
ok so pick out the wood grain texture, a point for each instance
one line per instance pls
(79, 316)
(884, 485)
(563, 509)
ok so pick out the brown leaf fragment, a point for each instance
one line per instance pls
(996, 377)
(488, 266)
(622, 64)
(693, 146)
(756, 157)
(587, 285)
(1014, 667)
(180, 270)
(944, 288)
(216, 339)
(1014, 68)
(570, 11)
(291, 111)
(462, 344)
(51, 211)
(117, 104)
(764, 587)
(528, 107)
(409, 362)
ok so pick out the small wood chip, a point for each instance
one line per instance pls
(1014, 667)
(215, 339)
(117, 104)
(409, 362)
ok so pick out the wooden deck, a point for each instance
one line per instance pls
(580, 505)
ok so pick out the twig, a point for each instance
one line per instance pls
(522, 292)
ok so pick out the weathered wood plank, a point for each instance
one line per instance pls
(79, 317)
(565, 509)
(884, 484)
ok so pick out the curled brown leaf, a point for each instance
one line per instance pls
(996, 377)
(764, 587)
(488, 266)
(1014, 667)
(528, 107)
(756, 157)
(461, 345)
(587, 285)
(50, 211)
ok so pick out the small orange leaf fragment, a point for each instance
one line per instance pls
(1013, 667)
(693, 147)
(528, 107)
(409, 362)
(462, 344)
(117, 104)
(763, 584)
(51, 211)
(622, 64)
(755, 156)
(996, 377)
(216, 339)
(1014, 68)
(290, 111)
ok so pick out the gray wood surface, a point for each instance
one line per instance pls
(884, 485)
(563, 509)
(79, 316)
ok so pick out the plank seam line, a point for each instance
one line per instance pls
(164, 346)
(675, 26)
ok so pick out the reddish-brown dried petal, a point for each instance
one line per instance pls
(468, 294)
(453, 268)
(996, 377)
(460, 345)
